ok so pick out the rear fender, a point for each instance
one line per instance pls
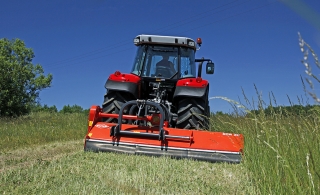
(189, 87)
(123, 82)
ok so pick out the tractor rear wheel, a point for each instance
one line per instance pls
(193, 114)
(113, 102)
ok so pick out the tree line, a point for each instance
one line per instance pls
(297, 110)
(67, 109)
(300, 110)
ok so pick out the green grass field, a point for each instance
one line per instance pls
(43, 154)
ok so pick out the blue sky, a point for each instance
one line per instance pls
(81, 42)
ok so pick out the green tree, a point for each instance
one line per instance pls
(45, 108)
(71, 109)
(20, 79)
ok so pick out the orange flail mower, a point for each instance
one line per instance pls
(161, 107)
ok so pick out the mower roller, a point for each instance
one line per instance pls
(161, 108)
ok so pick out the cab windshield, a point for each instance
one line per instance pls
(165, 62)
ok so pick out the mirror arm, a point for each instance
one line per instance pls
(200, 68)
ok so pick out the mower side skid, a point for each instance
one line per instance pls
(178, 153)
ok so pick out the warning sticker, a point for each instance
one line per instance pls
(102, 126)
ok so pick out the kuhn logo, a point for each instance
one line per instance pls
(230, 134)
(102, 126)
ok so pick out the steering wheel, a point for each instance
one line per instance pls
(163, 71)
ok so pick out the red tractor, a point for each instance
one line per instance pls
(161, 106)
(164, 71)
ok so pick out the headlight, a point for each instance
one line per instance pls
(136, 40)
(191, 43)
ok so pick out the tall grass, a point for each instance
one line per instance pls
(39, 128)
(311, 77)
(282, 150)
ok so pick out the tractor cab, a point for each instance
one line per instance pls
(164, 57)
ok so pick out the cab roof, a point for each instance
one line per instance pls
(164, 40)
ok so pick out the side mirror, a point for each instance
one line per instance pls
(210, 68)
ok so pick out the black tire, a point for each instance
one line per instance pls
(193, 114)
(113, 102)
(208, 127)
